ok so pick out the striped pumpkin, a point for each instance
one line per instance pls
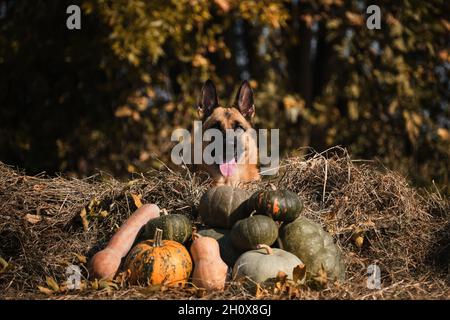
(176, 227)
(158, 262)
(280, 205)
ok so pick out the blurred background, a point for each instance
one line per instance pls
(108, 96)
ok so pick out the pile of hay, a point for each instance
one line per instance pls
(373, 214)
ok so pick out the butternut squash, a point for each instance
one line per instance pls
(210, 272)
(104, 264)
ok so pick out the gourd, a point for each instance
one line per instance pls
(210, 272)
(105, 263)
(176, 227)
(314, 246)
(264, 264)
(281, 205)
(158, 262)
(228, 252)
(222, 206)
(256, 229)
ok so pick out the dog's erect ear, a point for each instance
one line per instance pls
(208, 100)
(244, 100)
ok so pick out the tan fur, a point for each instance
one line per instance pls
(246, 172)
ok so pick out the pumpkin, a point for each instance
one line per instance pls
(157, 262)
(210, 272)
(264, 264)
(228, 252)
(249, 232)
(222, 206)
(314, 246)
(176, 227)
(281, 205)
(105, 263)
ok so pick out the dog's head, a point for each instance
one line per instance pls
(234, 123)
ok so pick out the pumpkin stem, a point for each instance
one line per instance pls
(266, 247)
(195, 235)
(158, 238)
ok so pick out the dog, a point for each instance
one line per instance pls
(230, 170)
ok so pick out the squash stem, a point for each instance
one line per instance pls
(266, 247)
(195, 235)
(158, 238)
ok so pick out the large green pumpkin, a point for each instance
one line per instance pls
(176, 227)
(227, 251)
(281, 205)
(249, 232)
(222, 206)
(314, 246)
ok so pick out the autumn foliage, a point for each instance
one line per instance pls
(109, 95)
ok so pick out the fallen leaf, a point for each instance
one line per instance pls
(81, 258)
(94, 284)
(105, 284)
(3, 264)
(84, 219)
(33, 218)
(93, 205)
(258, 292)
(45, 290)
(358, 238)
(122, 277)
(52, 283)
(137, 200)
(321, 278)
(359, 241)
(104, 213)
(299, 273)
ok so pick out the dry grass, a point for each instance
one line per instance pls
(405, 232)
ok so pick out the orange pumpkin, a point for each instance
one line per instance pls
(210, 272)
(159, 262)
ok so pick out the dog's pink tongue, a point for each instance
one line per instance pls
(228, 168)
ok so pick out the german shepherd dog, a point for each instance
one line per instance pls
(238, 117)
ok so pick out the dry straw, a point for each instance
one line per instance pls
(372, 213)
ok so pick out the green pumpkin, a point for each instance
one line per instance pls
(263, 265)
(281, 205)
(227, 251)
(314, 246)
(176, 227)
(222, 206)
(249, 232)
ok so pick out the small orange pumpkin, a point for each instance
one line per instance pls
(210, 272)
(156, 262)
